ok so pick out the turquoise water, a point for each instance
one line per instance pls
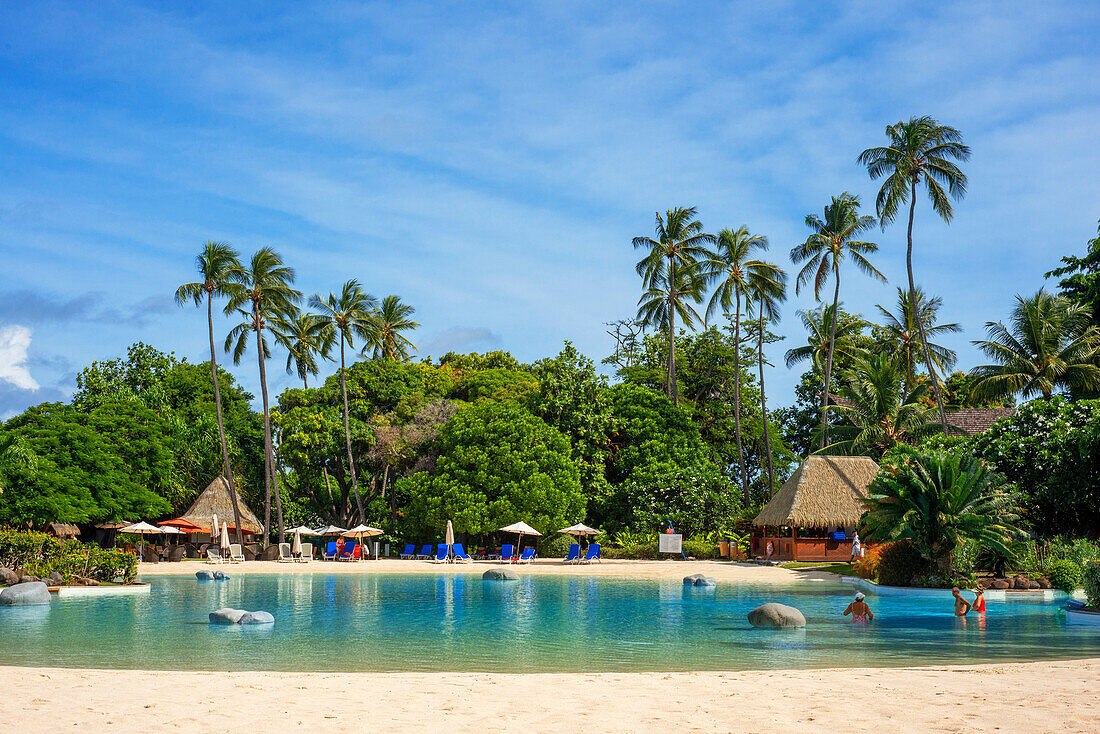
(547, 624)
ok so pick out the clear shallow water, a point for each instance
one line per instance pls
(545, 624)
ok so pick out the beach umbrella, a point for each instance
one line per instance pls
(214, 529)
(224, 542)
(169, 530)
(579, 530)
(449, 537)
(330, 530)
(520, 529)
(296, 546)
(142, 529)
(361, 531)
(303, 530)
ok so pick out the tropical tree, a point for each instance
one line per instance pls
(921, 152)
(730, 266)
(767, 289)
(265, 295)
(664, 300)
(351, 315)
(880, 411)
(679, 244)
(937, 500)
(1049, 344)
(220, 269)
(899, 334)
(304, 336)
(849, 341)
(392, 318)
(830, 243)
(15, 453)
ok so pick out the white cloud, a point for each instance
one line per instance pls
(14, 341)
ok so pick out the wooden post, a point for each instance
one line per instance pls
(794, 544)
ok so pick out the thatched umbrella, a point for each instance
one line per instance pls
(362, 531)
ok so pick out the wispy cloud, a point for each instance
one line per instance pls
(15, 340)
(32, 307)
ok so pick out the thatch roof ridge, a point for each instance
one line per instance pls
(215, 500)
(825, 491)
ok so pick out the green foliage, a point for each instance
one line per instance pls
(1091, 581)
(41, 554)
(964, 561)
(694, 499)
(958, 392)
(1082, 286)
(1079, 550)
(900, 563)
(463, 364)
(498, 384)
(1065, 575)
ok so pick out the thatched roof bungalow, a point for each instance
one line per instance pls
(215, 500)
(825, 492)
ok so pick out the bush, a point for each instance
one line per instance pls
(1091, 582)
(41, 554)
(900, 563)
(965, 558)
(18, 548)
(867, 567)
(1078, 550)
(700, 548)
(1065, 575)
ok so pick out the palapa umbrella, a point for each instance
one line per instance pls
(520, 528)
(142, 529)
(360, 531)
(449, 538)
(579, 530)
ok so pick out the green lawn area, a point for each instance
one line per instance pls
(839, 568)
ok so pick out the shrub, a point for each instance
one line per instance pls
(19, 548)
(41, 554)
(1091, 582)
(965, 558)
(1078, 550)
(1064, 574)
(700, 548)
(899, 563)
(867, 567)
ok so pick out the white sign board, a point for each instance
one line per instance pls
(670, 543)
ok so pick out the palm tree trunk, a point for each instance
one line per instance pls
(267, 433)
(347, 435)
(221, 421)
(278, 494)
(829, 359)
(737, 400)
(913, 307)
(671, 380)
(764, 408)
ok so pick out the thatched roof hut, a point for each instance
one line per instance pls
(215, 500)
(824, 492)
(64, 529)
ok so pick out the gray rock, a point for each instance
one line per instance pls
(692, 579)
(221, 576)
(25, 595)
(705, 581)
(500, 574)
(56, 579)
(204, 575)
(226, 615)
(28, 579)
(776, 616)
(8, 577)
(256, 618)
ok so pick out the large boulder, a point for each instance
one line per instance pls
(221, 576)
(56, 579)
(256, 618)
(776, 616)
(24, 595)
(227, 615)
(8, 577)
(204, 575)
(690, 580)
(705, 581)
(28, 579)
(500, 574)
(1000, 584)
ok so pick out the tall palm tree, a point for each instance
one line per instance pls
(220, 269)
(767, 288)
(921, 152)
(730, 265)
(663, 300)
(899, 334)
(392, 318)
(680, 242)
(351, 315)
(848, 338)
(304, 336)
(831, 242)
(1051, 344)
(265, 295)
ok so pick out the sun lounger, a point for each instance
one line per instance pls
(574, 554)
(425, 553)
(506, 552)
(527, 557)
(593, 553)
(213, 555)
(409, 552)
(351, 552)
(441, 552)
(284, 553)
(236, 554)
(329, 554)
(307, 553)
(460, 554)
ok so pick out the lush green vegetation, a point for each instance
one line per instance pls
(40, 555)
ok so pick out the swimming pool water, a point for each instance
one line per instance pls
(453, 622)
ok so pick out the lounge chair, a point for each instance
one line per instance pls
(213, 555)
(409, 552)
(574, 554)
(506, 552)
(593, 553)
(460, 554)
(527, 557)
(329, 553)
(284, 554)
(351, 552)
(425, 553)
(236, 553)
(441, 553)
(307, 553)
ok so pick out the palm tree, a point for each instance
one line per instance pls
(659, 305)
(900, 336)
(936, 500)
(921, 151)
(351, 314)
(767, 288)
(848, 338)
(220, 270)
(304, 336)
(1051, 345)
(265, 288)
(823, 251)
(880, 412)
(680, 243)
(731, 266)
(390, 320)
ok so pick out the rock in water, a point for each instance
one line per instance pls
(705, 581)
(221, 576)
(776, 616)
(227, 615)
(500, 574)
(692, 579)
(204, 575)
(32, 593)
(256, 618)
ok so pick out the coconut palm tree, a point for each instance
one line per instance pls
(265, 295)
(305, 336)
(664, 300)
(831, 242)
(899, 334)
(1049, 344)
(767, 288)
(390, 320)
(921, 152)
(351, 315)
(679, 243)
(730, 265)
(849, 340)
(220, 272)
(880, 413)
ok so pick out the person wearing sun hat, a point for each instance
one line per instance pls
(859, 610)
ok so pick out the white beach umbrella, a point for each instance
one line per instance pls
(296, 546)
(449, 537)
(362, 531)
(224, 542)
(303, 530)
(214, 529)
(142, 529)
(330, 530)
(520, 529)
(580, 529)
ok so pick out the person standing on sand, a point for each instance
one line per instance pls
(962, 606)
(859, 610)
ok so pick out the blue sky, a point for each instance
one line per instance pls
(490, 162)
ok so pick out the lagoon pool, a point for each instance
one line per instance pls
(451, 622)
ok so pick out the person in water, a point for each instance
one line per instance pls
(962, 606)
(859, 610)
(979, 600)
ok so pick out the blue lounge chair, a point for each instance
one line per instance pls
(329, 553)
(441, 552)
(593, 553)
(506, 552)
(527, 557)
(460, 554)
(409, 552)
(351, 550)
(574, 554)
(425, 553)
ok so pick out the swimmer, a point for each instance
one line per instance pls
(859, 610)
